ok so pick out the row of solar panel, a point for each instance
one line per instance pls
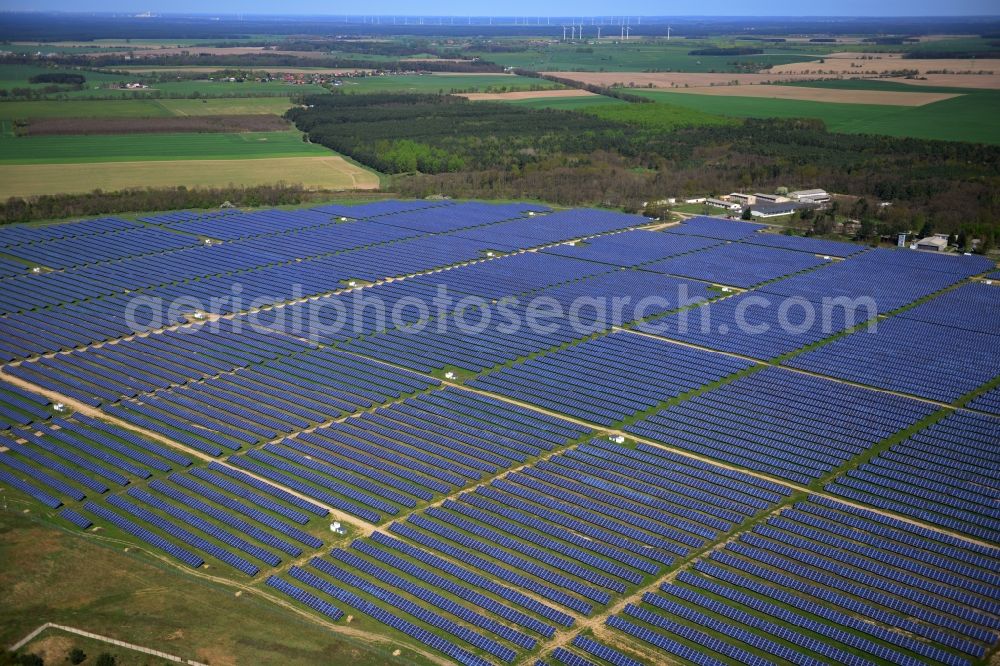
(755, 610)
(610, 378)
(372, 464)
(874, 358)
(369, 264)
(944, 474)
(378, 613)
(791, 425)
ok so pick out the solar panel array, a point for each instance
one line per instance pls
(987, 402)
(544, 318)
(946, 474)
(710, 227)
(791, 425)
(380, 463)
(818, 246)
(551, 228)
(312, 244)
(572, 532)
(737, 264)
(498, 523)
(970, 307)
(20, 407)
(611, 378)
(632, 248)
(759, 325)
(796, 589)
(919, 358)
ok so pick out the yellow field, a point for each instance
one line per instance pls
(329, 173)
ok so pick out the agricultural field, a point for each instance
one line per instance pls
(313, 172)
(569, 103)
(613, 55)
(144, 108)
(660, 115)
(961, 118)
(434, 83)
(84, 144)
(552, 494)
(166, 146)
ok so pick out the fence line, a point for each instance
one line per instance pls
(113, 641)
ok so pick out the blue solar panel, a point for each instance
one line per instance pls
(610, 378)
(944, 474)
(792, 425)
(873, 357)
(711, 227)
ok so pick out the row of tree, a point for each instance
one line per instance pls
(17, 209)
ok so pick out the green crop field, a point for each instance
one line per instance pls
(433, 83)
(660, 115)
(138, 147)
(616, 56)
(16, 76)
(964, 118)
(569, 103)
(143, 108)
(876, 84)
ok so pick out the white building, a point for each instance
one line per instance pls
(810, 196)
(933, 244)
(777, 209)
(770, 198)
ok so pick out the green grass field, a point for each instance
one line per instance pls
(142, 108)
(139, 147)
(660, 115)
(876, 84)
(964, 118)
(569, 103)
(433, 83)
(16, 76)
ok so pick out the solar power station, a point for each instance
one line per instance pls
(724, 479)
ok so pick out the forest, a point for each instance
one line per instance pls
(439, 144)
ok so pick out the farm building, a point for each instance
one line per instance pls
(770, 198)
(810, 196)
(933, 243)
(727, 205)
(743, 199)
(776, 209)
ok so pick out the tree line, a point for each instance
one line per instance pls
(17, 209)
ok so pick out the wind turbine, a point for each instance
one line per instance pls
(668, 33)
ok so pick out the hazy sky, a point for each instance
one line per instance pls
(532, 7)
